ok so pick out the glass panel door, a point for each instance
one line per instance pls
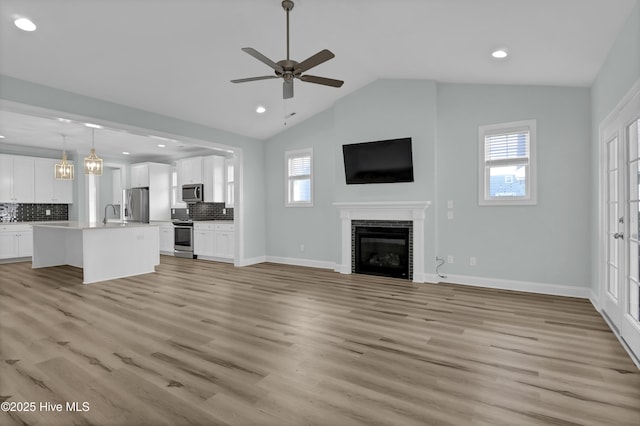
(630, 326)
(615, 224)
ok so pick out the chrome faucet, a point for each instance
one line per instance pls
(105, 212)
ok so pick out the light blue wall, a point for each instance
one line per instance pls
(553, 245)
(317, 227)
(386, 109)
(617, 76)
(544, 243)
(27, 93)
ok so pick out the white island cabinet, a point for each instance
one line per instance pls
(108, 252)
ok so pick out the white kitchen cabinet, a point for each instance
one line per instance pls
(203, 244)
(190, 170)
(156, 177)
(16, 179)
(213, 179)
(223, 241)
(166, 238)
(48, 189)
(16, 241)
(139, 175)
(213, 240)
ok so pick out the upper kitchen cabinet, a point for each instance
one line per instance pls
(190, 171)
(16, 179)
(139, 175)
(213, 179)
(156, 177)
(48, 189)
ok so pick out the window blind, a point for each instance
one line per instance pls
(507, 146)
(299, 166)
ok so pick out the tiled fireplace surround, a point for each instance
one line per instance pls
(414, 211)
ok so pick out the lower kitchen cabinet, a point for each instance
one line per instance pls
(166, 238)
(213, 241)
(16, 241)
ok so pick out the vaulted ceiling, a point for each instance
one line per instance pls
(177, 57)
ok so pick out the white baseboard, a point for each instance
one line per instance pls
(526, 286)
(251, 261)
(320, 264)
(595, 300)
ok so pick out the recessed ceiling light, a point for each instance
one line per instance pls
(1, 136)
(500, 53)
(93, 126)
(25, 24)
(161, 145)
(125, 152)
(260, 109)
(64, 120)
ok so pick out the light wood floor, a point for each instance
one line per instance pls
(204, 343)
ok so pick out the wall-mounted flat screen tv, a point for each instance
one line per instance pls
(385, 161)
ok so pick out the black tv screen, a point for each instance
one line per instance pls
(385, 161)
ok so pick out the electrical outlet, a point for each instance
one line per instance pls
(224, 211)
(473, 261)
(301, 247)
(449, 259)
(47, 212)
(450, 215)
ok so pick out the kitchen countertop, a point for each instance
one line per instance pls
(93, 225)
(44, 222)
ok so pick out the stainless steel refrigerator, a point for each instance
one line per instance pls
(136, 205)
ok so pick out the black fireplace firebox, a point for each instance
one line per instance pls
(382, 251)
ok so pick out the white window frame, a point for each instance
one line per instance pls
(531, 197)
(307, 152)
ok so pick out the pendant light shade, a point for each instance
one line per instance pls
(93, 163)
(64, 170)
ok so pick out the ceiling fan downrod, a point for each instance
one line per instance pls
(287, 5)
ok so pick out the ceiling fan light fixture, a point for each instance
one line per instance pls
(288, 69)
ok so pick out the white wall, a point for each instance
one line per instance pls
(619, 73)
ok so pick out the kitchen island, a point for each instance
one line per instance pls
(104, 252)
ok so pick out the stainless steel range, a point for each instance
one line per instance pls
(183, 238)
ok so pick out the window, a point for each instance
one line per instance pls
(299, 173)
(229, 170)
(507, 164)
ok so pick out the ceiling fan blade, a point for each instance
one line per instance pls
(312, 61)
(322, 80)
(287, 89)
(264, 77)
(259, 56)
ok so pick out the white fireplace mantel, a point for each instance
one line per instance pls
(415, 211)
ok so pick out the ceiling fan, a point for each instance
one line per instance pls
(289, 69)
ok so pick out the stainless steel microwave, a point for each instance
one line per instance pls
(192, 193)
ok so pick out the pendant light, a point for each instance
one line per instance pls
(64, 170)
(93, 163)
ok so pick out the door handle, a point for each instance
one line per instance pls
(618, 235)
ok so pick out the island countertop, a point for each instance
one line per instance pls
(93, 225)
(104, 252)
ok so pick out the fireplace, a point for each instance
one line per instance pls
(403, 214)
(382, 250)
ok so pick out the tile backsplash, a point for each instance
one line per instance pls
(22, 212)
(204, 211)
